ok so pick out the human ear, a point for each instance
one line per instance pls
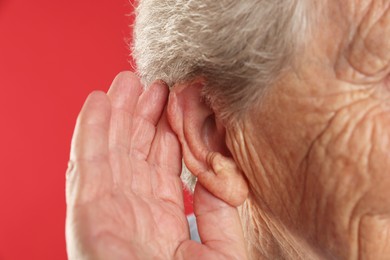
(202, 137)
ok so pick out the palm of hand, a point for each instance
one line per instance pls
(124, 191)
(119, 216)
(114, 218)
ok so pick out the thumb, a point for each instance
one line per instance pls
(219, 227)
(218, 222)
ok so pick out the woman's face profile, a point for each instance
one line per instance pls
(321, 140)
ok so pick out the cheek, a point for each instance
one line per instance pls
(378, 165)
(348, 174)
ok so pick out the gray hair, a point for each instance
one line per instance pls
(238, 47)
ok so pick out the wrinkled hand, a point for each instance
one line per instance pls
(123, 191)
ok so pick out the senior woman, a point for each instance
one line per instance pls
(279, 108)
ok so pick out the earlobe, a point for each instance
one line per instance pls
(225, 180)
(203, 144)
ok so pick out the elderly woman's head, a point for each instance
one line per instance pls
(291, 97)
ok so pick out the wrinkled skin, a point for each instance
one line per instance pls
(316, 149)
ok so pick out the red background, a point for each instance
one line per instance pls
(52, 54)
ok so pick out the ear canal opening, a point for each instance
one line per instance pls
(214, 136)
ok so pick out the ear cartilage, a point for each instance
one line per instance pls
(225, 180)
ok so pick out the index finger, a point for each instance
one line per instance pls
(89, 171)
